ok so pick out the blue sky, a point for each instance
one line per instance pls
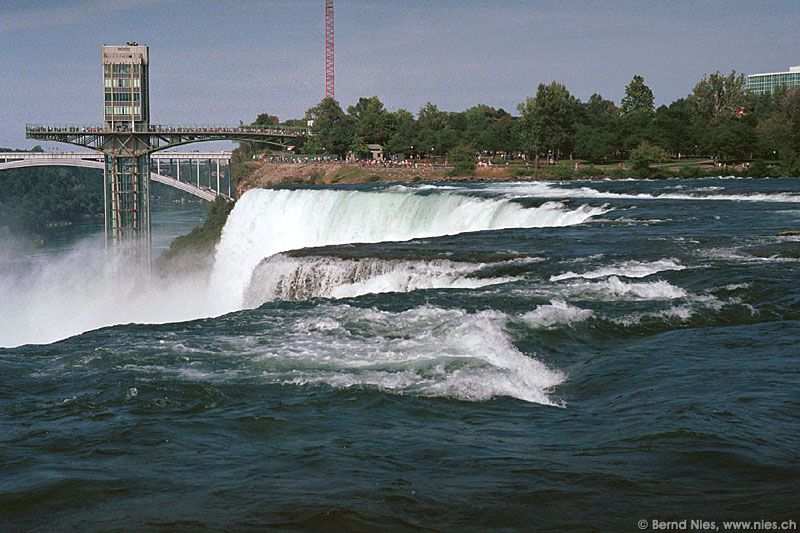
(227, 60)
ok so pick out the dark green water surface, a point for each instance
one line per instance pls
(644, 364)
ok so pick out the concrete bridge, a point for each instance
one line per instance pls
(165, 168)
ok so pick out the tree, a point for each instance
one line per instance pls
(502, 134)
(332, 132)
(772, 137)
(717, 97)
(597, 136)
(673, 128)
(734, 138)
(636, 109)
(597, 106)
(435, 134)
(638, 97)
(430, 117)
(594, 143)
(358, 146)
(549, 119)
(265, 119)
(32, 198)
(195, 251)
(246, 148)
(790, 117)
(404, 136)
(462, 158)
(372, 122)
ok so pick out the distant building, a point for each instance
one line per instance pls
(768, 83)
(375, 151)
(126, 85)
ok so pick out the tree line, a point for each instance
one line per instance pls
(719, 119)
(32, 199)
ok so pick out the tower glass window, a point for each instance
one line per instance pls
(125, 80)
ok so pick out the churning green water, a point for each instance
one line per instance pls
(560, 356)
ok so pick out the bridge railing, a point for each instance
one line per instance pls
(221, 155)
(51, 155)
(283, 131)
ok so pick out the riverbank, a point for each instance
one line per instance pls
(265, 175)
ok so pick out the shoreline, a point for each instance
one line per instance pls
(268, 175)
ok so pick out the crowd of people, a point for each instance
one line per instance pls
(418, 163)
(398, 163)
(296, 159)
(156, 128)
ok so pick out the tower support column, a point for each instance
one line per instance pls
(127, 201)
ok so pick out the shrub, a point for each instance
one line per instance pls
(645, 155)
(692, 171)
(462, 168)
(758, 169)
(523, 171)
(347, 173)
(317, 177)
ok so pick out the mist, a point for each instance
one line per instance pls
(46, 298)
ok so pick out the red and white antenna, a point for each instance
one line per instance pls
(329, 49)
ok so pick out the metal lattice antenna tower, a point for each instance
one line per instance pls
(329, 65)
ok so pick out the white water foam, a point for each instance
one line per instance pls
(558, 312)
(739, 255)
(626, 269)
(423, 351)
(428, 351)
(281, 277)
(266, 222)
(551, 190)
(612, 288)
(681, 313)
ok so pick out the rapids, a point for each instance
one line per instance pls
(491, 356)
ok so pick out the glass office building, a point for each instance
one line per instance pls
(125, 85)
(768, 83)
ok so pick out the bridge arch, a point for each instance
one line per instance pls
(203, 193)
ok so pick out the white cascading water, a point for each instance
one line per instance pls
(282, 277)
(266, 222)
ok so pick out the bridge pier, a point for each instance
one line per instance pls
(127, 200)
(125, 150)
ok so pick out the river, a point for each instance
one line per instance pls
(560, 356)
